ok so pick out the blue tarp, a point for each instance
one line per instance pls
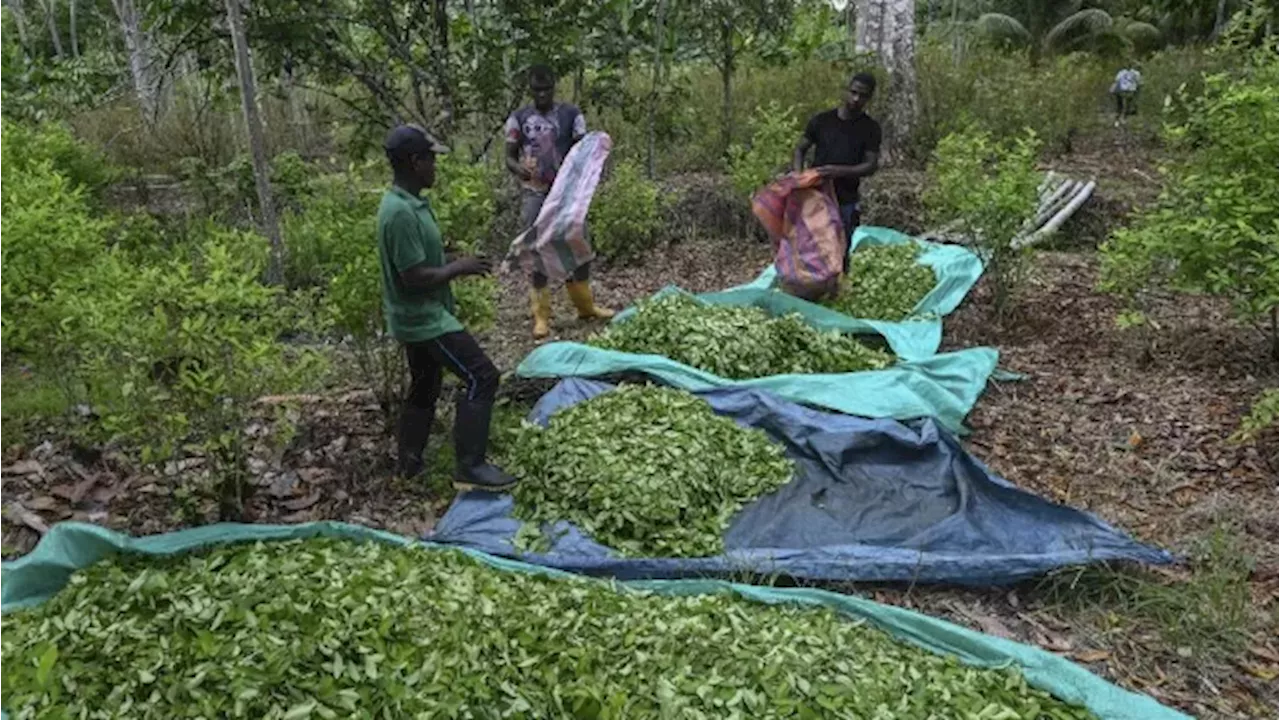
(873, 500)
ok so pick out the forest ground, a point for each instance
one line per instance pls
(1132, 425)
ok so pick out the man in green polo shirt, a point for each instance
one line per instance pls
(419, 308)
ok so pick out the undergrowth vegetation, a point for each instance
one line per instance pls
(164, 329)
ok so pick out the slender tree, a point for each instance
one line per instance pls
(137, 43)
(887, 28)
(257, 142)
(721, 28)
(659, 38)
(20, 20)
(71, 21)
(49, 9)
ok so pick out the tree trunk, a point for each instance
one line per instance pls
(658, 37)
(726, 81)
(888, 29)
(902, 70)
(257, 142)
(1219, 19)
(20, 20)
(138, 45)
(75, 38)
(955, 32)
(51, 22)
(440, 18)
(1274, 341)
(851, 24)
(869, 30)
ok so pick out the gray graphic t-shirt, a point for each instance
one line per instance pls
(544, 139)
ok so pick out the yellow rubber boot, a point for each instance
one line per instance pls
(580, 294)
(540, 303)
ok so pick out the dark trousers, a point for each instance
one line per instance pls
(460, 354)
(850, 217)
(582, 274)
(1126, 103)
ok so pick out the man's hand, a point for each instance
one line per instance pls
(471, 266)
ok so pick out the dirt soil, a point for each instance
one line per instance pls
(1130, 425)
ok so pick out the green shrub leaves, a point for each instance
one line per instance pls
(735, 342)
(336, 629)
(884, 282)
(644, 470)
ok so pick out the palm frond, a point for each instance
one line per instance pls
(1143, 34)
(1003, 28)
(1077, 27)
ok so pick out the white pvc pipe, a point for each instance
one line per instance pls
(1057, 221)
(1046, 208)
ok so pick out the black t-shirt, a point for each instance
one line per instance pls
(843, 142)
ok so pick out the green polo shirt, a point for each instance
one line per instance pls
(407, 236)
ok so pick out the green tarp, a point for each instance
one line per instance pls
(71, 546)
(944, 386)
(956, 268)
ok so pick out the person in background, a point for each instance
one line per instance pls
(846, 148)
(539, 137)
(1125, 91)
(419, 308)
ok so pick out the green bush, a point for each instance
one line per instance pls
(464, 203)
(50, 234)
(768, 153)
(226, 191)
(1262, 416)
(83, 166)
(336, 221)
(1214, 227)
(173, 353)
(42, 90)
(987, 189)
(626, 214)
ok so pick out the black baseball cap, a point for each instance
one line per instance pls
(411, 139)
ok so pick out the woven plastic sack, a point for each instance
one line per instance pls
(556, 244)
(800, 213)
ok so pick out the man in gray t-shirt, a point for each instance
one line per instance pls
(539, 137)
(1125, 91)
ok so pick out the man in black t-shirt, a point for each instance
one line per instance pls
(846, 144)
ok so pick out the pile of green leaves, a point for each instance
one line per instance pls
(644, 470)
(330, 628)
(884, 282)
(735, 342)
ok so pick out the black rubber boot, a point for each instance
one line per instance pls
(471, 441)
(411, 439)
